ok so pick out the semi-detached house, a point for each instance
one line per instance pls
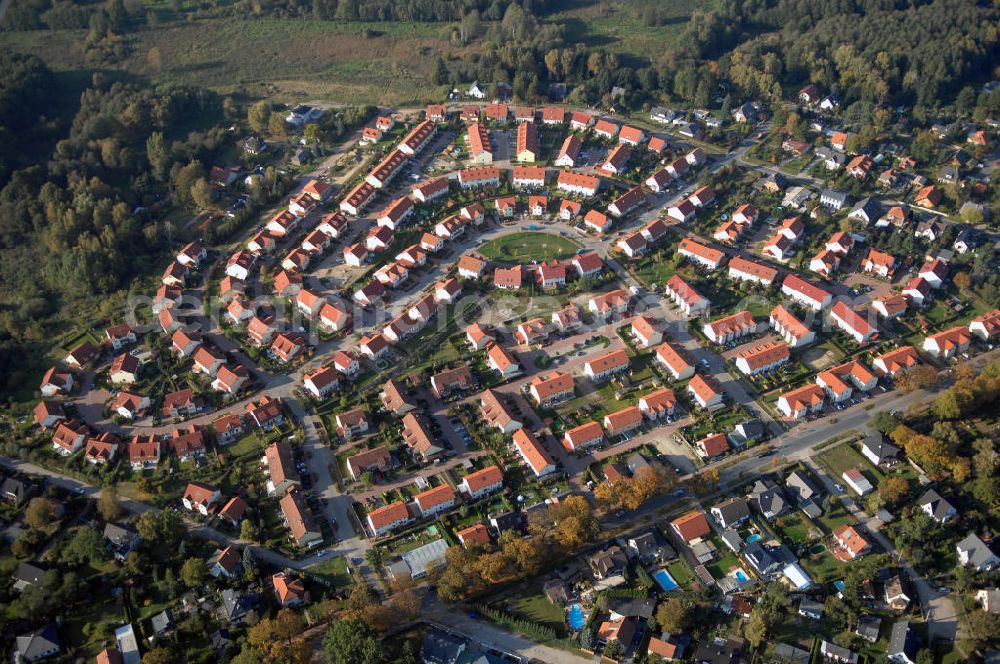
(533, 454)
(604, 366)
(482, 482)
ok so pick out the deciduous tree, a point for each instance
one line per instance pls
(193, 573)
(352, 642)
(38, 513)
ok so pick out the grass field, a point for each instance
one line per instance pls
(294, 59)
(620, 27)
(528, 246)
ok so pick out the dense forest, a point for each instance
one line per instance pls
(81, 199)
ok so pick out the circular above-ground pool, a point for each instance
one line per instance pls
(664, 580)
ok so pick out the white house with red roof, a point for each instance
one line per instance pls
(703, 196)
(701, 254)
(802, 401)
(851, 322)
(676, 360)
(646, 331)
(729, 328)
(987, 326)
(934, 272)
(894, 361)
(587, 264)
(918, 290)
(805, 293)
(322, 382)
(682, 211)
(745, 270)
(685, 296)
(949, 343)
(792, 330)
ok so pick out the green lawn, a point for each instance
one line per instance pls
(844, 457)
(726, 561)
(334, 569)
(681, 572)
(649, 270)
(794, 528)
(534, 606)
(528, 246)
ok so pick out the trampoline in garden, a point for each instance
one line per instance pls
(664, 580)
(575, 617)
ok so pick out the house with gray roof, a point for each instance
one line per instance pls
(649, 547)
(810, 608)
(784, 652)
(121, 539)
(800, 486)
(420, 561)
(636, 462)
(631, 607)
(27, 575)
(731, 512)
(975, 554)
(732, 540)
(834, 653)
(903, 644)
(761, 560)
(868, 627)
(16, 491)
(833, 200)
(40, 644)
(832, 159)
(237, 605)
(768, 499)
(879, 451)
(746, 433)
(162, 622)
(867, 210)
(936, 507)
(441, 647)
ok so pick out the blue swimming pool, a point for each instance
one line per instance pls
(741, 576)
(754, 538)
(664, 580)
(575, 618)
